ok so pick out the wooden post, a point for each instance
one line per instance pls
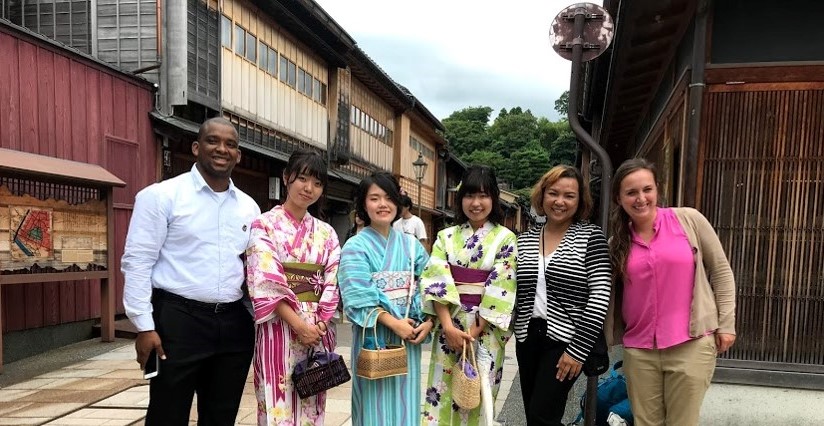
(107, 285)
(1, 325)
(694, 108)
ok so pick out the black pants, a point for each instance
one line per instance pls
(208, 353)
(544, 396)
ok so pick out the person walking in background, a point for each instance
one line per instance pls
(292, 275)
(375, 283)
(410, 224)
(673, 304)
(469, 283)
(357, 225)
(563, 293)
(183, 271)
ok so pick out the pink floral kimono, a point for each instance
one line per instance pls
(294, 262)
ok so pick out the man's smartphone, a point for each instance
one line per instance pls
(152, 367)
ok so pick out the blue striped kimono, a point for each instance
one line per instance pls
(374, 272)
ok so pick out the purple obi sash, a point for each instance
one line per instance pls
(470, 284)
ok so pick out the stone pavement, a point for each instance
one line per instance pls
(105, 387)
(108, 389)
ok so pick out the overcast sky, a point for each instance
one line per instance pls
(457, 53)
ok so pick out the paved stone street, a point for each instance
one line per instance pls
(108, 389)
(93, 383)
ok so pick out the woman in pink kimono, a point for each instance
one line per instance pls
(292, 264)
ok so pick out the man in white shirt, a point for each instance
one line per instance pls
(184, 275)
(409, 223)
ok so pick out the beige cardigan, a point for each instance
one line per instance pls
(713, 295)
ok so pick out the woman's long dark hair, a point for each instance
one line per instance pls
(309, 163)
(479, 179)
(619, 219)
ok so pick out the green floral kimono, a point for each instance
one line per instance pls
(489, 250)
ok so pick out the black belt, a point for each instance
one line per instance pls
(206, 306)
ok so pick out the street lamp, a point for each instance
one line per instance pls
(420, 170)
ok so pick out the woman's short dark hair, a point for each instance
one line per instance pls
(406, 201)
(384, 181)
(307, 162)
(479, 179)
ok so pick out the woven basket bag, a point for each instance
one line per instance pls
(319, 372)
(380, 363)
(466, 390)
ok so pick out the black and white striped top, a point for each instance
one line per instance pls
(578, 285)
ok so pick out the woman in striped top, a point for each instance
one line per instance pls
(563, 292)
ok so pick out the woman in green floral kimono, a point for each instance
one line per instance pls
(469, 283)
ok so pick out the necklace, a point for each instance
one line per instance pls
(543, 248)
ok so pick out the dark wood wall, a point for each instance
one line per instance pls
(57, 103)
(761, 183)
(748, 31)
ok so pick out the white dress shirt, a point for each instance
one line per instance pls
(186, 239)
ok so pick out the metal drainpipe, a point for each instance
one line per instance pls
(696, 99)
(606, 169)
(575, 124)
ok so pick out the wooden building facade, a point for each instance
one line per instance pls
(60, 103)
(122, 33)
(284, 73)
(270, 77)
(727, 99)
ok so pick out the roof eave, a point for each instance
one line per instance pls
(650, 28)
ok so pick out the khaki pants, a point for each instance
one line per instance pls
(667, 386)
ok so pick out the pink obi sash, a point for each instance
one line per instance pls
(470, 284)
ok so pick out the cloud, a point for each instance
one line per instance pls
(458, 53)
(445, 86)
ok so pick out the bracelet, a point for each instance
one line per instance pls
(323, 329)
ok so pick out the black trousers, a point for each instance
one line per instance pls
(208, 353)
(544, 396)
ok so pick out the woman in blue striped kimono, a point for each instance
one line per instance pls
(374, 280)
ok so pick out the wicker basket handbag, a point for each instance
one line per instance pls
(382, 362)
(391, 360)
(466, 381)
(319, 372)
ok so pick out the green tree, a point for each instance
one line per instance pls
(562, 104)
(513, 130)
(488, 158)
(564, 149)
(526, 165)
(467, 130)
(548, 131)
(518, 145)
(523, 197)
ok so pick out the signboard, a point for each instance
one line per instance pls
(51, 235)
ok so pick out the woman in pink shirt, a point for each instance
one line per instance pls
(673, 303)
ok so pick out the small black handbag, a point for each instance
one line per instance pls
(597, 361)
(320, 371)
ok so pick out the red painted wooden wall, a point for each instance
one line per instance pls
(58, 103)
